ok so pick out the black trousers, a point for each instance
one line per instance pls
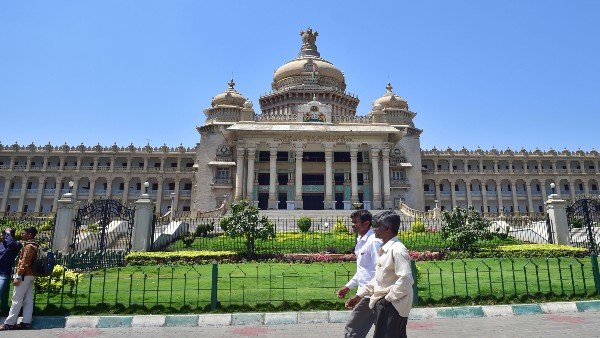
(388, 323)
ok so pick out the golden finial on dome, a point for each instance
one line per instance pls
(231, 84)
(389, 87)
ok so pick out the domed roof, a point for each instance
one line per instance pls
(391, 100)
(308, 66)
(230, 97)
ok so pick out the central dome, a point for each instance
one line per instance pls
(308, 69)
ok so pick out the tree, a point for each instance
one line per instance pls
(463, 228)
(244, 221)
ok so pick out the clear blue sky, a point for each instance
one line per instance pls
(478, 73)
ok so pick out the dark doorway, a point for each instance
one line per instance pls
(313, 201)
(263, 201)
(282, 201)
(339, 204)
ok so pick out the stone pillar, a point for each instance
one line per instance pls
(38, 197)
(142, 237)
(499, 194)
(57, 190)
(176, 200)
(387, 194)
(63, 229)
(329, 204)
(250, 175)
(529, 197)
(273, 176)
(544, 195)
(453, 194)
(92, 189)
(514, 197)
(159, 195)
(376, 178)
(239, 174)
(484, 197)
(4, 200)
(298, 180)
(557, 211)
(469, 197)
(572, 188)
(354, 173)
(125, 197)
(22, 194)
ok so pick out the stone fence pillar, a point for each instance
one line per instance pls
(63, 229)
(143, 235)
(557, 211)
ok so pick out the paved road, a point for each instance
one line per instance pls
(586, 324)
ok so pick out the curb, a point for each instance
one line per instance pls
(302, 317)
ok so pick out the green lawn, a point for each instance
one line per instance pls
(247, 286)
(289, 242)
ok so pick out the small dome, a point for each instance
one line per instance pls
(230, 97)
(391, 100)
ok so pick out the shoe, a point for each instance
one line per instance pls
(22, 326)
(6, 327)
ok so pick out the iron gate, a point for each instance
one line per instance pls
(104, 225)
(583, 217)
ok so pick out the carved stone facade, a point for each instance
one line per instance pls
(305, 149)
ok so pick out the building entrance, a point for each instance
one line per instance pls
(313, 201)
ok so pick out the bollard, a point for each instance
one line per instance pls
(215, 280)
(596, 272)
(413, 268)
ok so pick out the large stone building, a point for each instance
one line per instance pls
(305, 149)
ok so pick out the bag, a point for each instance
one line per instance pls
(44, 262)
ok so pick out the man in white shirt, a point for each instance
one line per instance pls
(390, 292)
(367, 246)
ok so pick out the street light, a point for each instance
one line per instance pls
(71, 184)
(553, 187)
(436, 204)
(146, 185)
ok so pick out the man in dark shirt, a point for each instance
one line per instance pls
(9, 249)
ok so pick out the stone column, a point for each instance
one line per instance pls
(28, 163)
(38, 197)
(22, 194)
(387, 194)
(586, 187)
(557, 211)
(298, 191)
(125, 197)
(159, 195)
(544, 195)
(176, 200)
(329, 205)
(96, 159)
(484, 197)
(273, 176)
(514, 196)
(529, 198)
(250, 175)
(4, 200)
(57, 190)
(93, 188)
(572, 188)
(469, 198)
(453, 194)
(376, 178)
(354, 172)
(142, 237)
(499, 194)
(239, 174)
(63, 229)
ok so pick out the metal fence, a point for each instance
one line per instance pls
(335, 235)
(280, 286)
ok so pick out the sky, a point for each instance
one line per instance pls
(504, 74)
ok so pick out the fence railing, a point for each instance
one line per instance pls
(335, 235)
(284, 286)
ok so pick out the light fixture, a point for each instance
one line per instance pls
(553, 187)
(146, 185)
(71, 184)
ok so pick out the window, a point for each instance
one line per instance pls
(397, 175)
(456, 187)
(154, 186)
(566, 187)
(174, 165)
(338, 178)
(426, 187)
(282, 156)
(29, 185)
(186, 208)
(441, 187)
(594, 187)
(580, 186)
(187, 186)
(140, 165)
(156, 165)
(138, 186)
(121, 186)
(263, 156)
(282, 179)
(537, 187)
(171, 186)
(263, 178)
(222, 173)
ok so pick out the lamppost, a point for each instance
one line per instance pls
(436, 204)
(553, 188)
(146, 185)
(71, 184)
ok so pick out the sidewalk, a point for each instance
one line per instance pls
(263, 324)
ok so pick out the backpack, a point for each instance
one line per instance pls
(44, 262)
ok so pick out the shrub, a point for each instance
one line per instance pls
(203, 229)
(339, 226)
(417, 226)
(60, 279)
(521, 251)
(463, 228)
(178, 257)
(188, 240)
(576, 222)
(245, 221)
(304, 223)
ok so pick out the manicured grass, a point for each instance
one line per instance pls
(312, 286)
(290, 242)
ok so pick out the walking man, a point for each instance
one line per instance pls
(9, 249)
(390, 292)
(367, 246)
(23, 283)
